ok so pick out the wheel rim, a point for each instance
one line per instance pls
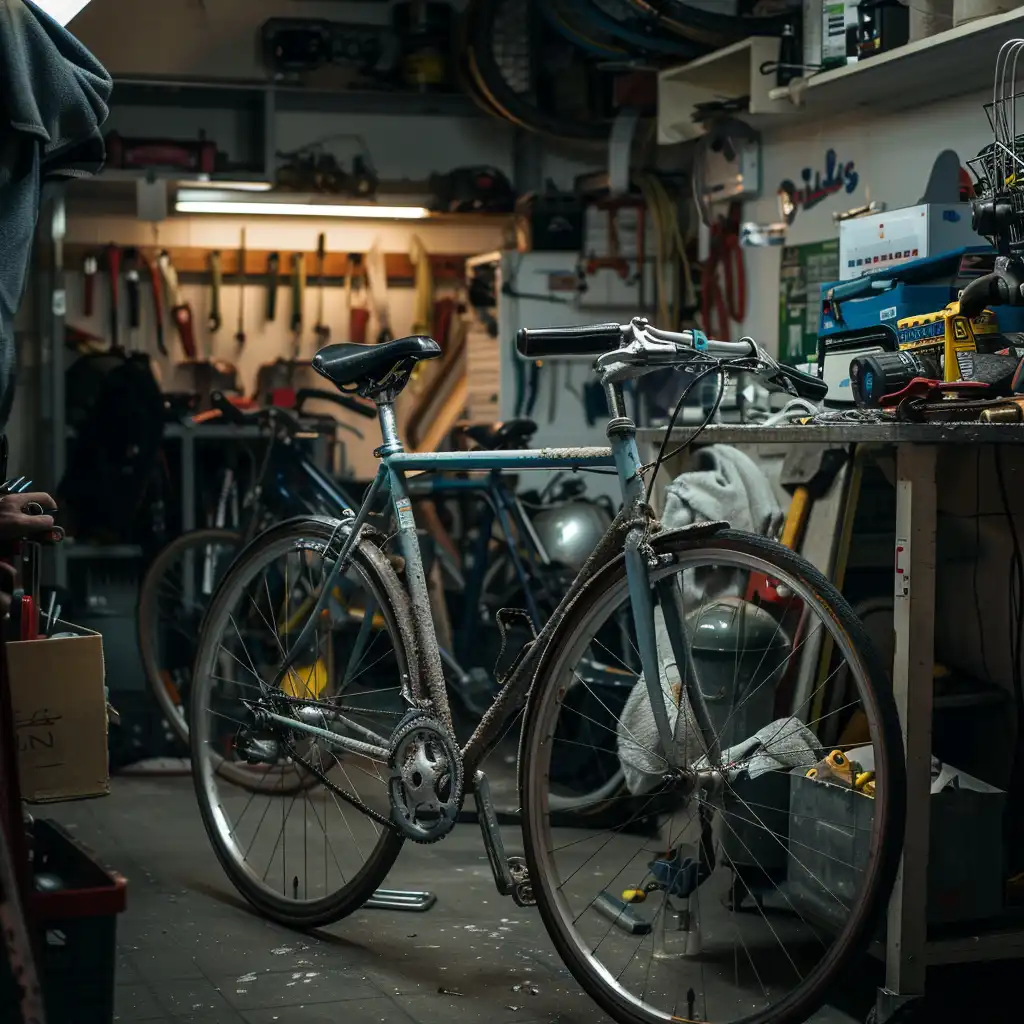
(606, 956)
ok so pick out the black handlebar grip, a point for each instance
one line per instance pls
(587, 340)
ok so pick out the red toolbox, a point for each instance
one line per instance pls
(73, 915)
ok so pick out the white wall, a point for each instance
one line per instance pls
(893, 157)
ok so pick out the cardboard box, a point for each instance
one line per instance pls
(60, 715)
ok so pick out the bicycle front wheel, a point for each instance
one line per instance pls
(751, 857)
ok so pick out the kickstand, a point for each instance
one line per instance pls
(401, 899)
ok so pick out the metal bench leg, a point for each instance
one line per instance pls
(914, 622)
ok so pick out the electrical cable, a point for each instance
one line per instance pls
(713, 367)
(671, 247)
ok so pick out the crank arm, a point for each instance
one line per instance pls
(510, 875)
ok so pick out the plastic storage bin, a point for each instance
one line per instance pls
(76, 932)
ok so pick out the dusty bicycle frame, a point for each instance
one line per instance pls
(628, 533)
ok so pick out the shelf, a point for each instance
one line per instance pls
(726, 74)
(913, 75)
(285, 98)
(905, 78)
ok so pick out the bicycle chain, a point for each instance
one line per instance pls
(343, 793)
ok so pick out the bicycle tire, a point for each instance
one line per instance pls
(632, 32)
(373, 566)
(705, 26)
(481, 33)
(590, 43)
(149, 616)
(859, 929)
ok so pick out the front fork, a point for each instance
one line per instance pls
(640, 561)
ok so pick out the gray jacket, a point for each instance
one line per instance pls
(53, 100)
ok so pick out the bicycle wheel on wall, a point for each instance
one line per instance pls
(533, 78)
(751, 884)
(303, 855)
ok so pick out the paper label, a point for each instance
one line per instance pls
(403, 506)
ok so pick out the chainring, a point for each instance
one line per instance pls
(426, 782)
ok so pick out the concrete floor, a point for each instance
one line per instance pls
(191, 949)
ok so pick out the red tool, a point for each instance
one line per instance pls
(444, 312)
(724, 281)
(199, 155)
(156, 288)
(181, 312)
(89, 269)
(113, 261)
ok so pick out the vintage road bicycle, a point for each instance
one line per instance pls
(744, 872)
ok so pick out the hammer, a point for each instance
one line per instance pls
(807, 473)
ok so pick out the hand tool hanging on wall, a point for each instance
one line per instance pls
(358, 313)
(158, 301)
(422, 321)
(89, 269)
(377, 284)
(240, 333)
(298, 300)
(273, 270)
(132, 290)
(181, 311)
(213, 321)
(320, 329)
(113, 261)
(723, 282)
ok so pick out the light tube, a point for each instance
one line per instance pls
(248, 209)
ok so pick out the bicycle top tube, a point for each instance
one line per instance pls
(482, 461)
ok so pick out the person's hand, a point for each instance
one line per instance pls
(16, 524)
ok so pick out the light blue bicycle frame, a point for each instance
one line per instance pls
(627, 534)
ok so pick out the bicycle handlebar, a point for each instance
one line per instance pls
(639, 345)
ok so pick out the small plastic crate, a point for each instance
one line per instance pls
(76, 932)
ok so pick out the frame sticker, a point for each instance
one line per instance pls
(406, 521)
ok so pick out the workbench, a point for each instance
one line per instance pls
(908, 949)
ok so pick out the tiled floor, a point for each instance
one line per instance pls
(191, 950)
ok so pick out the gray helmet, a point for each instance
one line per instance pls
(570, 531)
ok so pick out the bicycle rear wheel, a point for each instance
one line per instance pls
(301, 854)
(750, 883)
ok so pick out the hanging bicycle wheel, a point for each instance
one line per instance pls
(701, 25)
(535, 79)
(755, 857)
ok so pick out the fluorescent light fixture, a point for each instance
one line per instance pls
(226, 186)
(365, 211)
(62, 11)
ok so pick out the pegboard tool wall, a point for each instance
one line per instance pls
(284, 235)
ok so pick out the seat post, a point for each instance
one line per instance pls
(388, 427)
